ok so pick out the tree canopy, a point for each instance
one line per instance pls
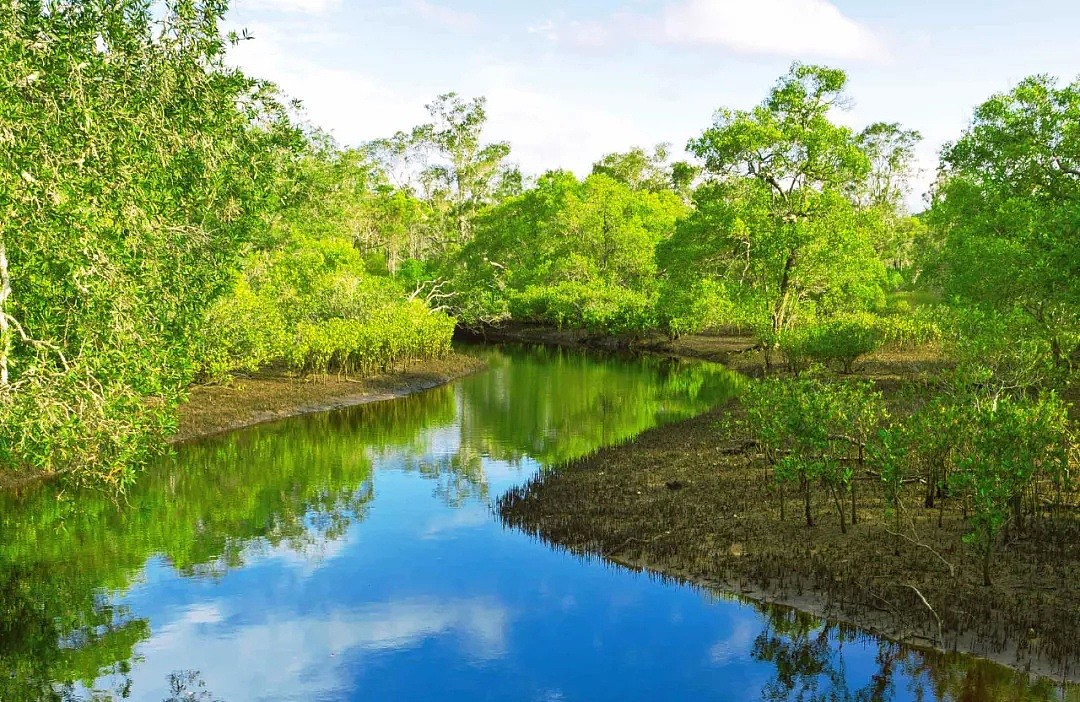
(1008, 209)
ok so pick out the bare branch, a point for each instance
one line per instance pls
(941, 638)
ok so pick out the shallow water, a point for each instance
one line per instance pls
(355, 556)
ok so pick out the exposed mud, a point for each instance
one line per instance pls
(213, 409)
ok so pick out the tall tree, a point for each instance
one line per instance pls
(777, 220)
(638, 169)
(594, 238)
(1008, 207)
(891, 150)
(460, 171)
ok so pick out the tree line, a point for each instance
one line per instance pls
(168, 220)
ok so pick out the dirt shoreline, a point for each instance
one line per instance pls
(214, 409)
(720, 529)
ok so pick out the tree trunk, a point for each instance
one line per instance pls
(854, 509)
(5, 327)
(896, 516)
(806, 502)
(1016, 503)
(779, 316)
(839, 508)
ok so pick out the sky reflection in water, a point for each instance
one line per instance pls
(354, 556)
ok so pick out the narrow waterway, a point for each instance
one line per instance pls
(355, 556)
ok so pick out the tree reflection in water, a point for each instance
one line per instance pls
(810, 666)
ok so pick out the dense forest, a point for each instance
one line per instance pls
(168, 220)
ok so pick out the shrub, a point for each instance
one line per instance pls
(705, 304)
(1010, 445)
(70, 424)
(610, 309)
(837, 342)
(243, 332)
(813, 431)
(843, 340)
(392, 338)
(794, 345)
(910, 330)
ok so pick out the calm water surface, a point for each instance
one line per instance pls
(355, 556)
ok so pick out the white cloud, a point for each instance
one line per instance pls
(546, 130)
(304, 658)
(795, 27)
(547, 29)
(445, 16)
(734, 646)
(449, 525)
(352, 105)
(310, 7)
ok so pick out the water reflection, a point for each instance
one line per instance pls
(809, 664)
(353, 556)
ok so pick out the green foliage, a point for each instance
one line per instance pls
(316, 294)
(782, 223)
(929, 439)
(244, 332)
(993, 451)
(640, 170)
(1009, 445)
(384, 341)
(134, 164)
(811, 431)
(907, 330)
(838, 342)
(313, 307)
(1008, 208)
(889, 453)
(1001, 353)
(608, 309)
(460, 175)
(698, 306)
(567, 252)
(71, 423)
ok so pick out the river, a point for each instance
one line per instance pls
(355, 555)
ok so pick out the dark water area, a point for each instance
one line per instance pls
(355, 556)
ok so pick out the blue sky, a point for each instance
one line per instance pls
(568, 80)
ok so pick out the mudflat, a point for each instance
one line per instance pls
(212, 409)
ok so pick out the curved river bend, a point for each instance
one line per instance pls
(355, 556)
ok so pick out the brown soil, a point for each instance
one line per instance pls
(212, 409)
(688, 502)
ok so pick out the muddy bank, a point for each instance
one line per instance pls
(212, 409)
(686, 502)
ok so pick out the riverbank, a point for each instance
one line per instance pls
(738, 352)
(687, 501)
(212, 409)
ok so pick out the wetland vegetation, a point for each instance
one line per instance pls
(171, 228)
